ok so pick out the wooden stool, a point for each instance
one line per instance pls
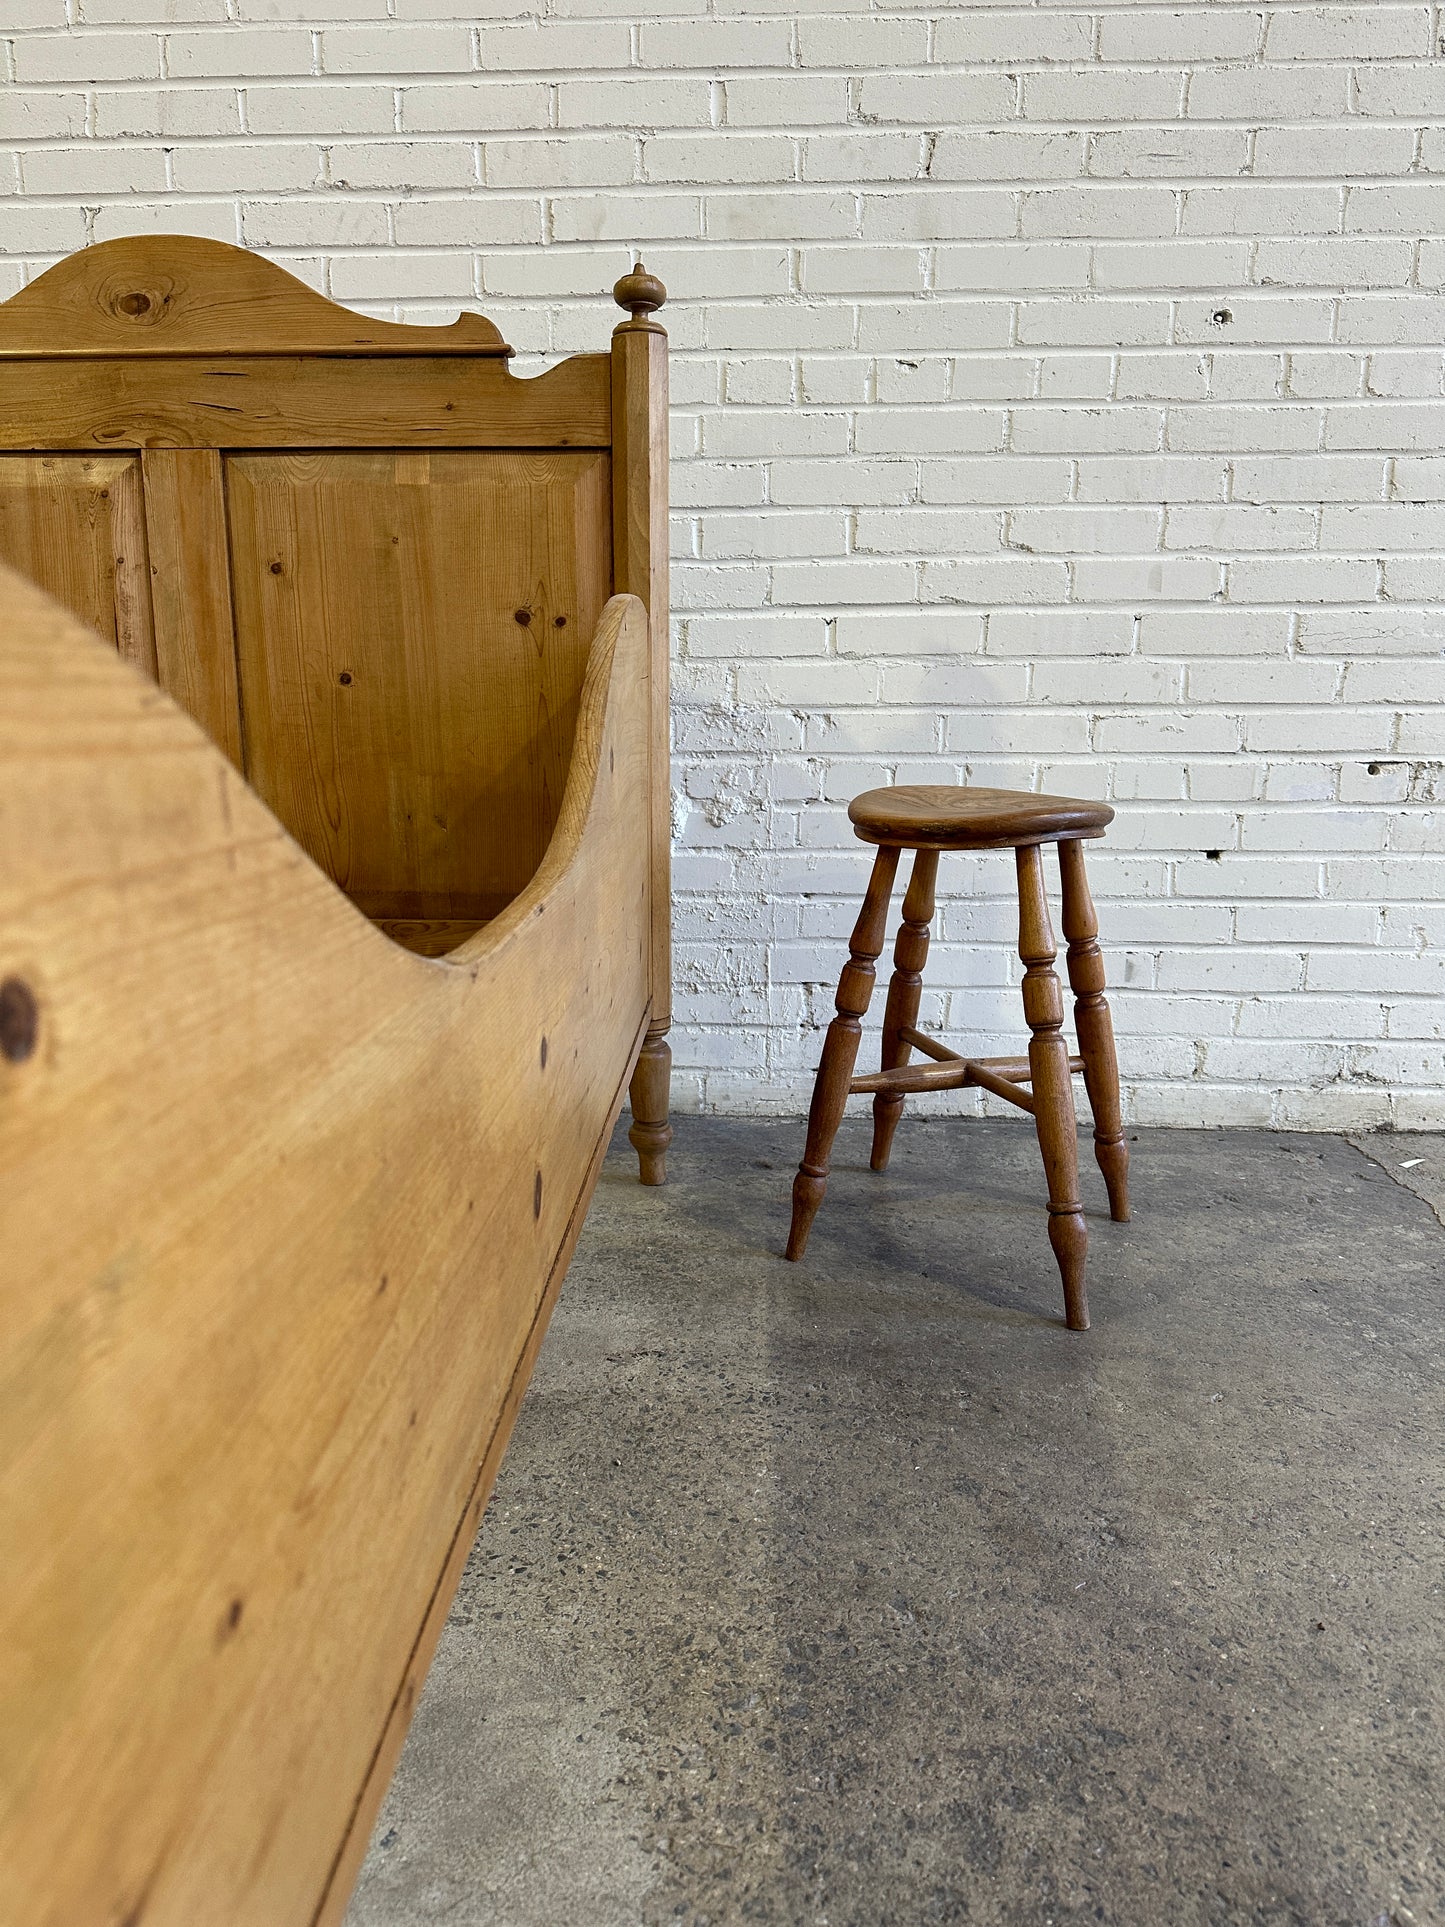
(927, 820)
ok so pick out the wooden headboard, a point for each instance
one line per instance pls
(367, 558)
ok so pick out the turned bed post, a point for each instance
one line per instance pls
(639, 549)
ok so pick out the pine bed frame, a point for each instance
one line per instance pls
(324, 967)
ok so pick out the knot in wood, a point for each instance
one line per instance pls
(143, 305)
(19, 1020)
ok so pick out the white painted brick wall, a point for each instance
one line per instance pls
(1060, 402)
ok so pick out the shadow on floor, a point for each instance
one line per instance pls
(861, 1593)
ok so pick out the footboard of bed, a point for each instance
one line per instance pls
(284, 1208)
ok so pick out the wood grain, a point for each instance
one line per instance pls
(246, 400)
(429, 936)
(76, 525)
(191, 589)
(283, 1209)
(412, 631)
(972, 817)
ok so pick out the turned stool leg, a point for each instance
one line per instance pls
(1053, 1093)
(651, 1133)
(910, 953)
(840, 1049)
(1095, 1027)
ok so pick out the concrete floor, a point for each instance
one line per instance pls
(861, 1593)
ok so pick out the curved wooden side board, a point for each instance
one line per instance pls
(284, 1209)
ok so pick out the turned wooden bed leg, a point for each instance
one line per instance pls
(1053, 1092)
(1095, 1028)
(910, 953)
(840, 1049)
(651, 1133)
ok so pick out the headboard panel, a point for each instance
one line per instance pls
(425, 780)
(365, 557)
(76, 524)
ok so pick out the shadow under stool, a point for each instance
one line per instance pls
(926, 820)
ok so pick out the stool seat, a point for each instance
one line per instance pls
(938, 817)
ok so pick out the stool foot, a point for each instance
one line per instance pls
(1113, 1160)
(1070, 1240)
(808, 1189)
(840, 1050)
(886, 1113)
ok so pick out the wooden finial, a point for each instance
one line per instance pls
(641, 294)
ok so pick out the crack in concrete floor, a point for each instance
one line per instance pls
(1417, 1162)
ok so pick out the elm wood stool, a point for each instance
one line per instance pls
(927, 820)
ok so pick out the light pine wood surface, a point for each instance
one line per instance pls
(165, 294)
(412, 631)
(191, 588)
(364, 556)
(283, 1209)
(77, 523)
(244, 400)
